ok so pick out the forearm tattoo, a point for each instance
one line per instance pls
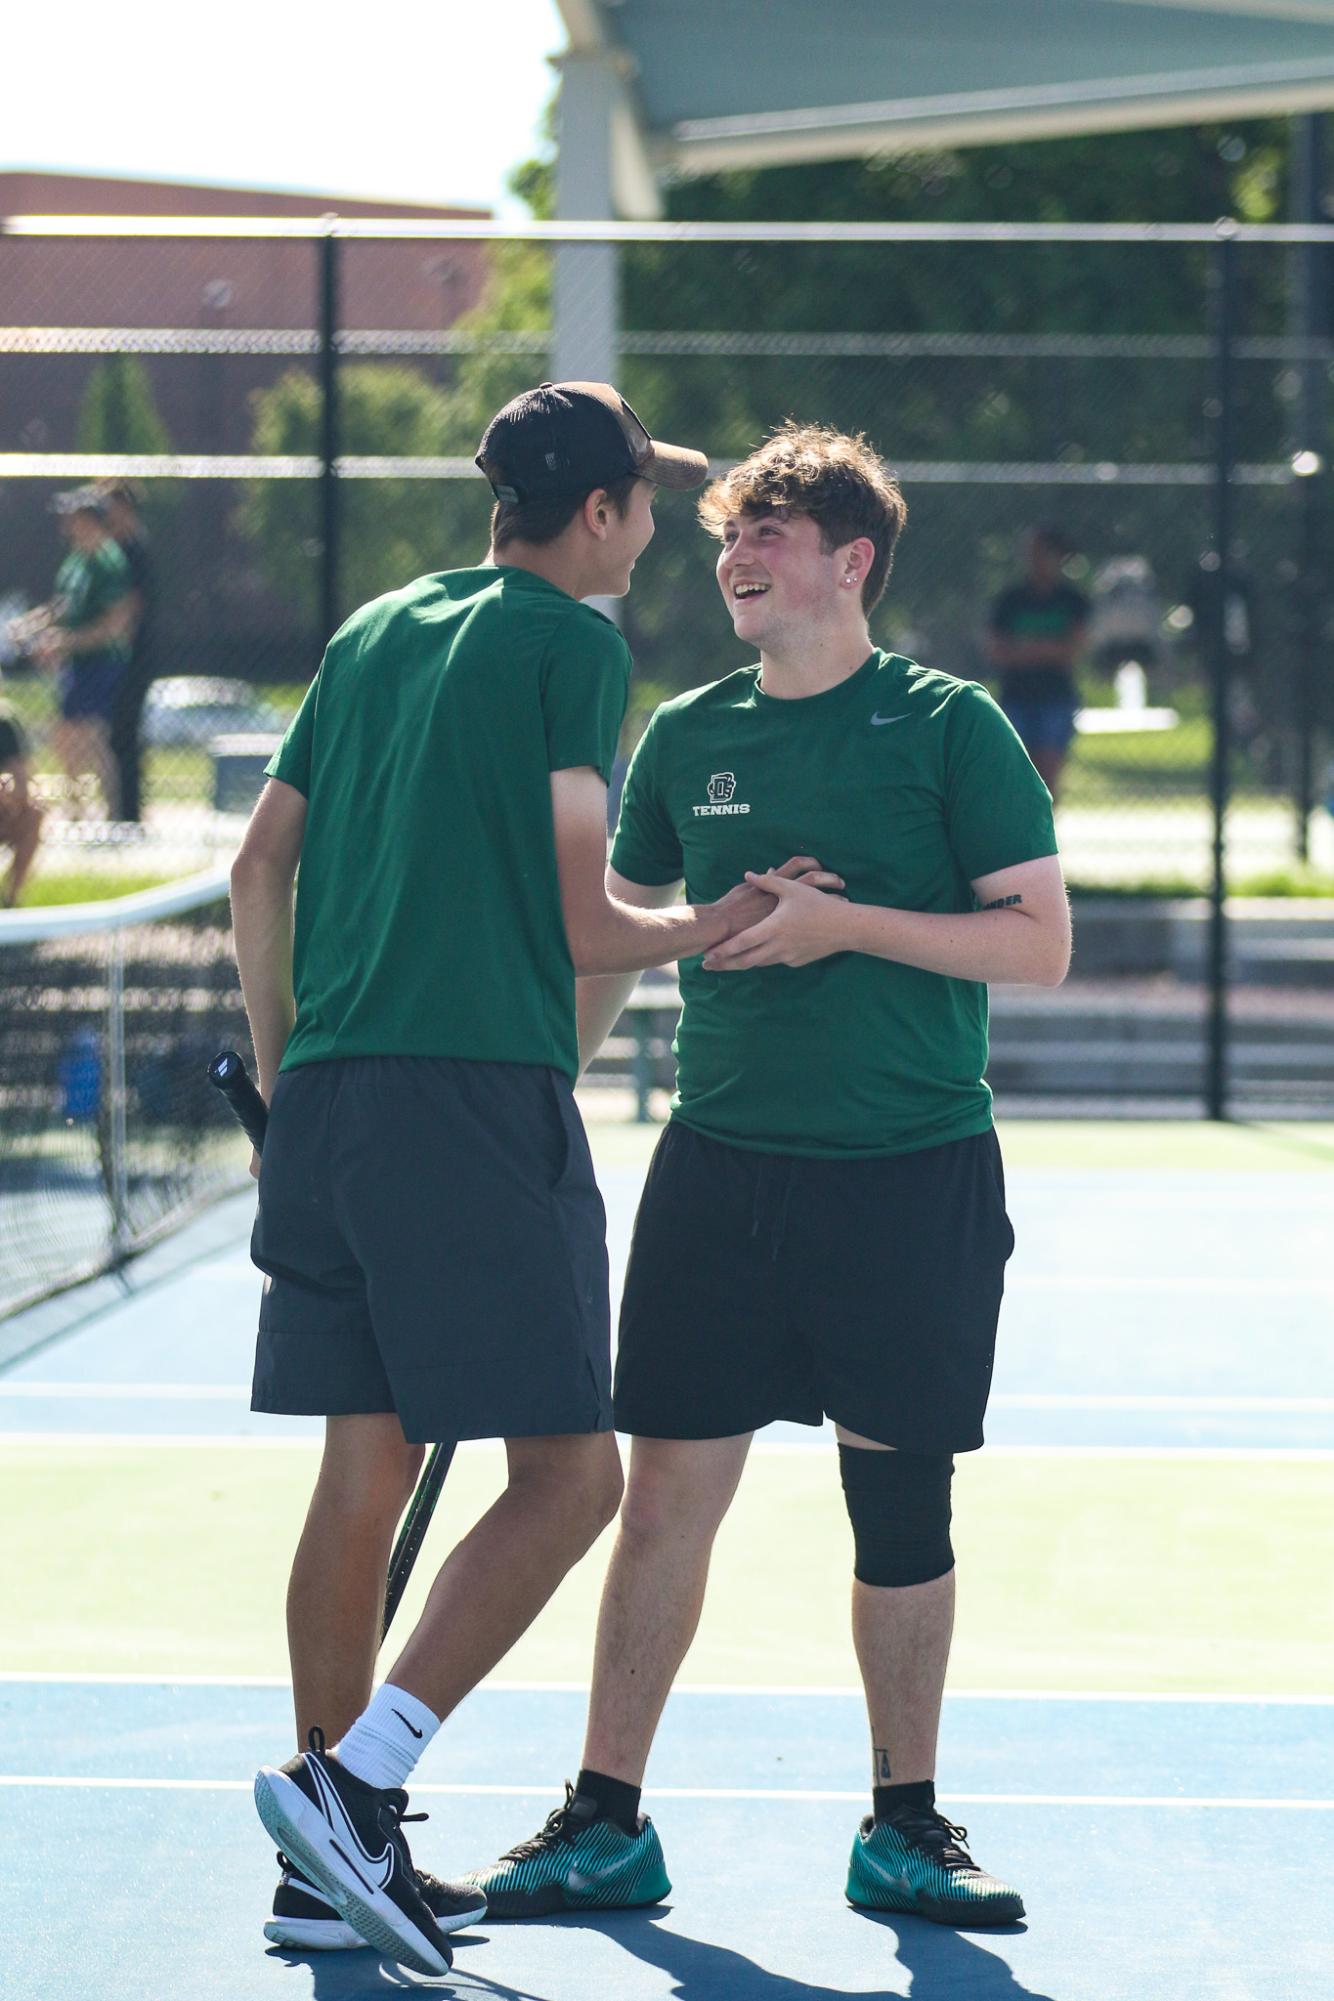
(1003, 903)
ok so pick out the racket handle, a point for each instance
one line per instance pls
(227, 1073)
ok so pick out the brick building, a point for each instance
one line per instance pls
(211, 321)
(220, 287)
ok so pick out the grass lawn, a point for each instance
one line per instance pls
(87, 886)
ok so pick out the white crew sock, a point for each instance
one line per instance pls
(387, 1738)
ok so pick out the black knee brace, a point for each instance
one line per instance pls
(899, 1507)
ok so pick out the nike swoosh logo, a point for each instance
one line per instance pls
(336, 1814)
(578, 1881)
(408, 1726)
(893, 1879)
(890, 719)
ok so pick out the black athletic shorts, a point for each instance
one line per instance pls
(765, 1286)
(436, 1246)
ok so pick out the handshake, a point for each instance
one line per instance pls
(788, 916)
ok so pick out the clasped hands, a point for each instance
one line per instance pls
(783, 917)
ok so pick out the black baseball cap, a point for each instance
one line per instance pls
(564, 438)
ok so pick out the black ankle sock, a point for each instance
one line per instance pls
(884, 1799)
(616, 1801)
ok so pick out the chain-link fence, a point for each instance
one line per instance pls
(297, 414)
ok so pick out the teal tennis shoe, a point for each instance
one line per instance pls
(579, 1862)
(916, 1861)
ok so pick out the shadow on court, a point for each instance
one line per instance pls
(941, 1964)
(947, 1965)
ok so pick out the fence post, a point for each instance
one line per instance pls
(1224, 286)
(1309, 316)
(330, 596)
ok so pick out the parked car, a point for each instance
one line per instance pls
(186, 711)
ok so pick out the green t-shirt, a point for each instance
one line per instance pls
(910, 785)
(428, 914)
(89, 582)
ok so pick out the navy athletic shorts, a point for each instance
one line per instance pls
(435, 1245)
(1044, 722)
(90, 687)
(764, 1286)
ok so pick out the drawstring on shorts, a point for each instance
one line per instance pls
(768, 1171)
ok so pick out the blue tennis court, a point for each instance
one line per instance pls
(1157, 1382)
(1105, 1808)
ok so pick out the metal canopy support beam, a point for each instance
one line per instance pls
(986, 118)
(584, 342)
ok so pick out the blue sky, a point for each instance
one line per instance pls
(412, 101)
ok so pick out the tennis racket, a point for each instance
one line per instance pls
(228, 1074)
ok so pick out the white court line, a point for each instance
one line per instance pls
(1177, 1283)
(1097, 1400)
(765, 1794)
(1120, 1281)
(1094, 1400)
(132, 1392)
(188, 1441)
(749, 1691)
(198, 1441)
(1306, 1454)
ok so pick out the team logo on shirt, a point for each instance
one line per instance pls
(721, 788)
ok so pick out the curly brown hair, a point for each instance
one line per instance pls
(835, 477)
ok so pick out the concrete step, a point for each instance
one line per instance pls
(1105, 1065)
(1293, 962)
(1133, 1028)
(1146, 1072)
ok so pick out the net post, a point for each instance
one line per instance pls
(1223, 276)
(118, 1176)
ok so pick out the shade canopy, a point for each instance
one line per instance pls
(701, 85)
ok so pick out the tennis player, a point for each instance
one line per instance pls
(428, 1219)
(823, 1229)
(84, 634)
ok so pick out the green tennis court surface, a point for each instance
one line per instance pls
(1136, 1732)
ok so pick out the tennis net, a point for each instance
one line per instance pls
(109, 1133)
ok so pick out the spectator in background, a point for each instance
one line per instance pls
(84, 632)
(127, 528)
(20, 816)
(1036, 633)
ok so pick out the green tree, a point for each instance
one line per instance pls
(784, 321)
(118, 413)
(390, 529)
(397, 528)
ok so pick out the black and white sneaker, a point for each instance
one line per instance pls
(346, 1839)
(305, 1921)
